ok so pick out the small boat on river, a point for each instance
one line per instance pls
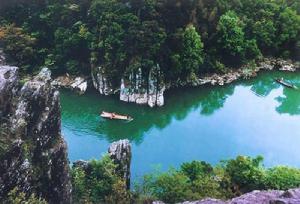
(285, 83)
(115, 116)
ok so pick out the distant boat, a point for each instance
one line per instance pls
(115, 116)
(285, 83)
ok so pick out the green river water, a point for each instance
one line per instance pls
(253, 117)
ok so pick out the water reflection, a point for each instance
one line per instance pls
(289, 100)
(255, 117)
(82, 112)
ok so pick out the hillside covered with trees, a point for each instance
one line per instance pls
(185, 38)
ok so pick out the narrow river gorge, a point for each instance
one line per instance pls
(210, 123)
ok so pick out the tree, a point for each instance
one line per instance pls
(288, 28)
(231, 34)
(192, 50)
(19, 46)
(189, 56)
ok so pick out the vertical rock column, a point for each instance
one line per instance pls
(101, 82)
(120, 153)
(138, 89)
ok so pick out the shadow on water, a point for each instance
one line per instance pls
(264, 83)
(82, 112)
(289, 102)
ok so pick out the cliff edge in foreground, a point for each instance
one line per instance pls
(33, 154)
(291, 196)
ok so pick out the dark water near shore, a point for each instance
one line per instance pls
(253, 117)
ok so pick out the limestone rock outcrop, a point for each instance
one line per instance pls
(101, 82)
(148, 88)
(33, 154)
(140, 90)
(120, 153)
(291, 196)
(134, 87)
(78, 84)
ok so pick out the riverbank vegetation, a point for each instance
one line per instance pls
(185, 38)
(192, 181)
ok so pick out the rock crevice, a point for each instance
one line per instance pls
(34, 157)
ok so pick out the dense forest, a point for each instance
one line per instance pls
(185, 38)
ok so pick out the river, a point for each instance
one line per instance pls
(210, 123)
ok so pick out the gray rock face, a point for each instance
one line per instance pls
(136, 89)
(120, 153)
(101, 82)
(78, 84)
(2, 58)
(8, 88)
(35, 161)
(256, 197)
(149, 88)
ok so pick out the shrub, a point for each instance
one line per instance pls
(99, 183)
(16, 197)
(19, 46)
(282, 177)
(196, 169)
(246, 174)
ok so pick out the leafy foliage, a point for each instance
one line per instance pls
(246, 174)
(186, 38)
(16, 197)
(18, 45)
(99, 183)
(197, 180)
(282, 177)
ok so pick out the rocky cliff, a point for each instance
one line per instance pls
(135, 87)
(33, 154)
(148, 88)
(143, 90)
(101, 81)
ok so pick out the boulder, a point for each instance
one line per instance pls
(78, 84)
(284, 65)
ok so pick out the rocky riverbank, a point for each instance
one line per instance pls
(134, 87)
(78, 84)
(33, 153)
(150, 90)
(244, 72)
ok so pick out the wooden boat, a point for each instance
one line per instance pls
(115, 116)
(285, 83)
